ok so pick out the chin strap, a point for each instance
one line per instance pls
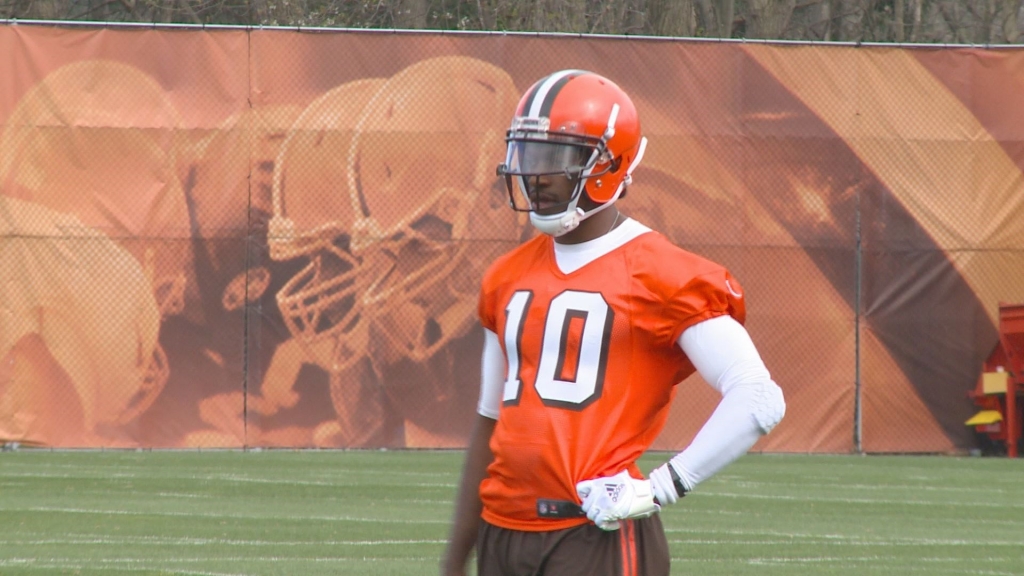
(636, 162)
(557, 224)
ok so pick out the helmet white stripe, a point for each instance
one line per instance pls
(542, 91)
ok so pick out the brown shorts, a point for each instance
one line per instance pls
(638, 548)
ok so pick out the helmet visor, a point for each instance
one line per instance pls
(530, 161)
(536, 157)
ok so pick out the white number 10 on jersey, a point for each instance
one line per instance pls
(557, 358)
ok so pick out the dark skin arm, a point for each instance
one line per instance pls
(466, 519)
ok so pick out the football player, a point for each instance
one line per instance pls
(589, 327)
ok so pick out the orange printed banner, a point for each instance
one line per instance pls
(228, 238)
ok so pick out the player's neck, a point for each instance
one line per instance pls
(594, 227)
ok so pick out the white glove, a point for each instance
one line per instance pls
(620, 497)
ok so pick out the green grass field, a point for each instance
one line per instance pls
(376, 513)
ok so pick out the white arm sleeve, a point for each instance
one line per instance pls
(752, 404)
(492, 376)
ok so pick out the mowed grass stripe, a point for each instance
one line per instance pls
(313, 459)
(382, 513)
(225, 566)
(220, 516)
(344, 480)
(941, 501)
(200, 542)
(192, 542)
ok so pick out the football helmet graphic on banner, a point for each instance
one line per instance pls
(229, 188)
(312, 218)
(76, 363)
(96, 139)
(430, 213)
(577, 124)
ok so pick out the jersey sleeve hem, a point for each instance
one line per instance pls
(487, 412)
(696, 319)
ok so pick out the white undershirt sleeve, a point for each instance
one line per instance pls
(492, 376)
(724, 355)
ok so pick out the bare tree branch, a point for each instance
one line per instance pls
(966, 21)
(410, 14)
(726, 17)
(897, 21)
(768, 18)
(671, 17)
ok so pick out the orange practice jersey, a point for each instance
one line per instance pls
(592, 364)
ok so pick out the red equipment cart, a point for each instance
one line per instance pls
(1001, 381)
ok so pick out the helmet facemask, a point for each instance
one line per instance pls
(532, 155)
(311, 222)
(320, 303)
(415, 286)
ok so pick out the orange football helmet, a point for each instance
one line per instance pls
(430, 214)
(312, 218)
(577, 124)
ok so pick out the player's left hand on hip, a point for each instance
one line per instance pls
(621, 497)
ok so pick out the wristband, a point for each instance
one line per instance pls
(677, 481)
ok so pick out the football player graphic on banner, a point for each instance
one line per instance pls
(388, 292)
(228, 186)
(102, 189)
